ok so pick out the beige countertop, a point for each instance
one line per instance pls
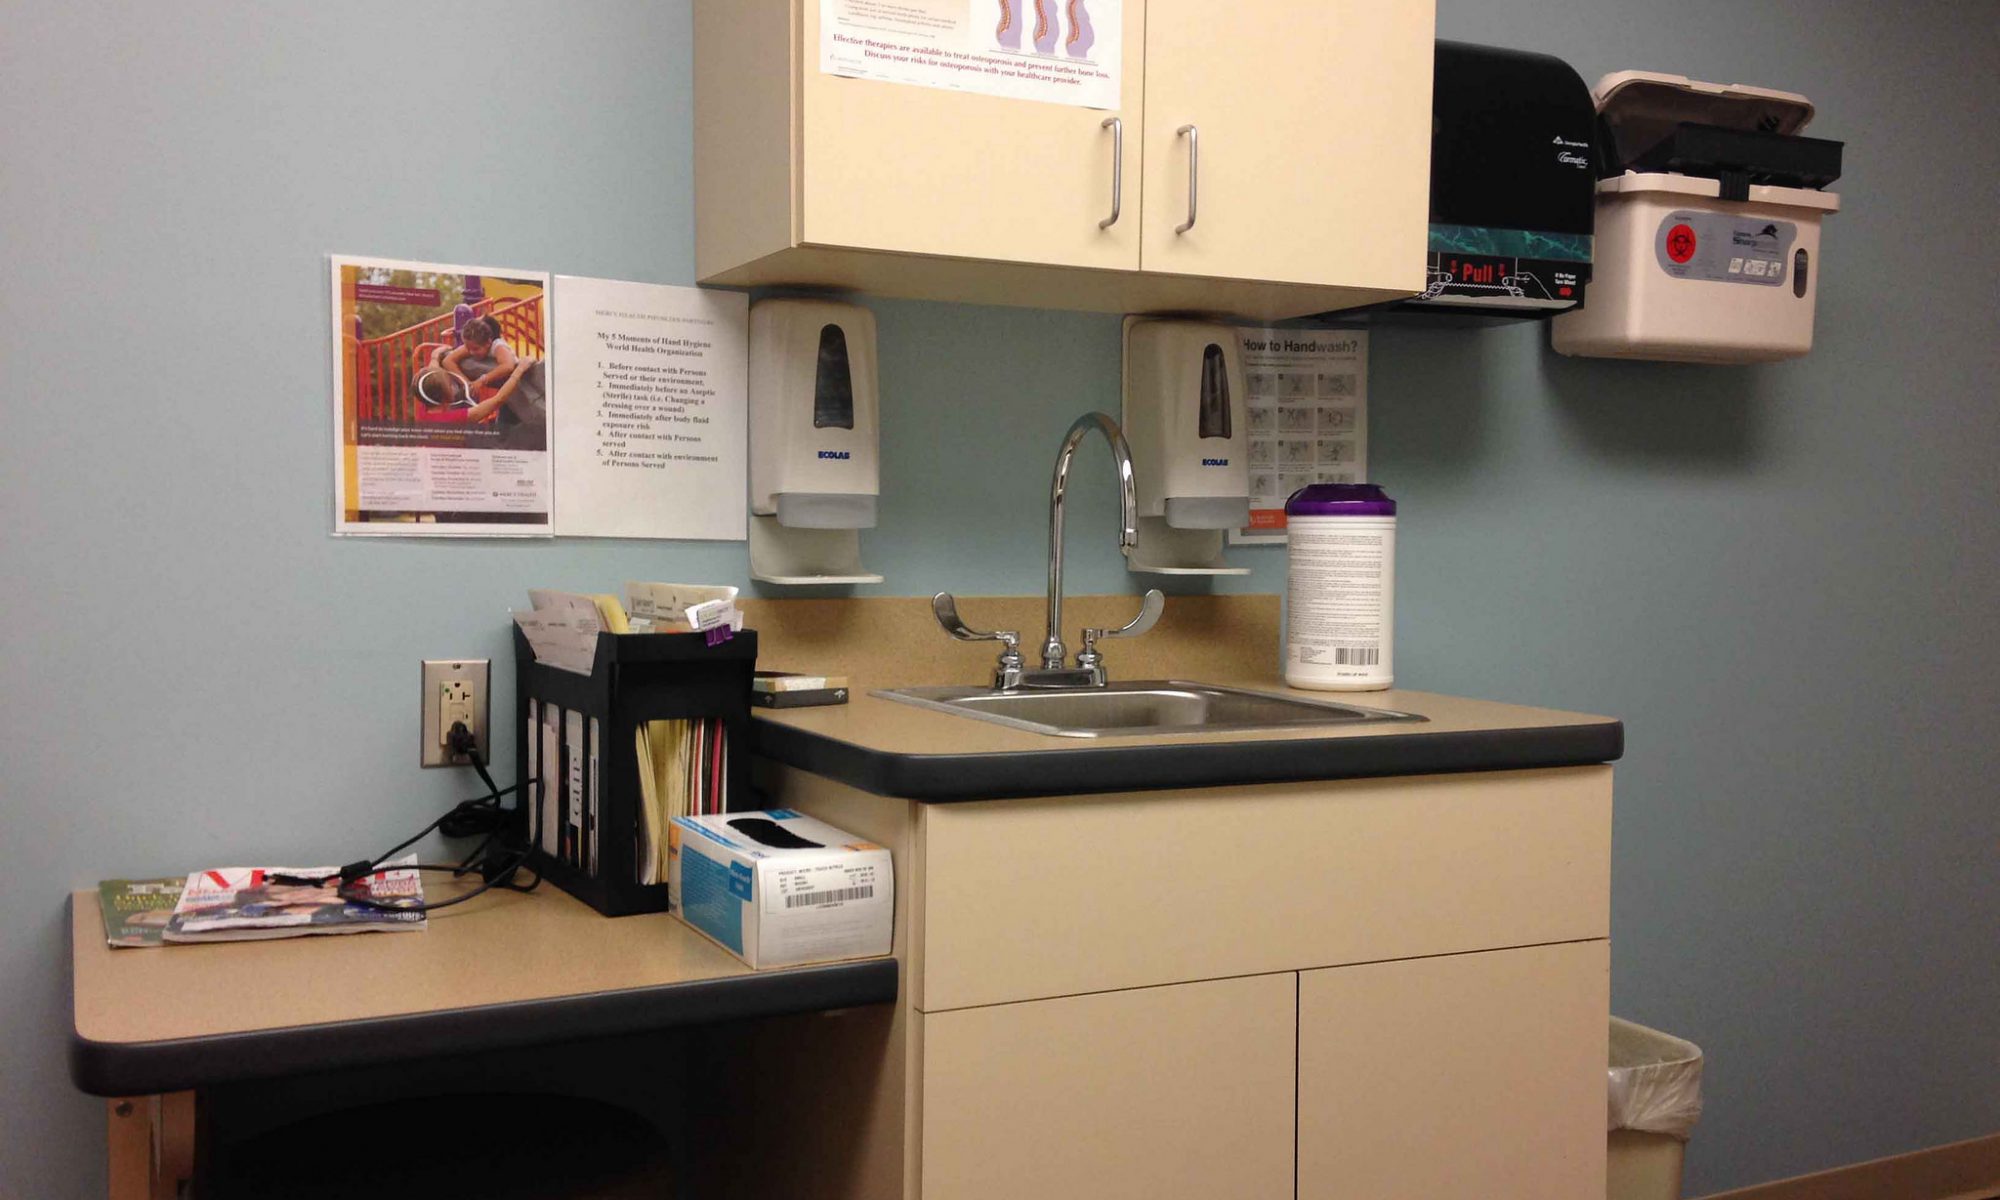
(500, 948)
(503, 969)
(887, 726)
(898, 749)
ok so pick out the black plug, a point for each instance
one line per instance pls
(460, 742)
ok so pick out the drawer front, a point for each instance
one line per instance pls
(1160, 1092)
(1031, 898)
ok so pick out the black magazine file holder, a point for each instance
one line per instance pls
(636, 678)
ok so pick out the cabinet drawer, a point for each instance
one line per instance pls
(1031, 898)
(1177, 1091)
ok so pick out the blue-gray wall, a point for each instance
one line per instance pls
(1782, 577)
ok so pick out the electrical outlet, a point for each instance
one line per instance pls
(455, 689)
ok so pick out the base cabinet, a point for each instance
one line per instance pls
(1174, 1091)
(1464, 1075)
(1372, 989)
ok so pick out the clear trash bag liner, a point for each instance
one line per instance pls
(1655, 1081)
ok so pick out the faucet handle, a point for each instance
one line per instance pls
(1007, 672)
(1149, 615)
(945, 608)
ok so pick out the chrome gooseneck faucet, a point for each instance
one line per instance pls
(1128, 517)
(1010, 672)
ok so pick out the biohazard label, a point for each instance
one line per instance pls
(1724, 248)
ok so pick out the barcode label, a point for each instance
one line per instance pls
(835, 896)
(1357, 656)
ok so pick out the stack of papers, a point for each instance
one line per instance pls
(683, 771)
(682, 608)
(562, 627)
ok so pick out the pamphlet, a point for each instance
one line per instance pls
(136, 911)
(229, 904)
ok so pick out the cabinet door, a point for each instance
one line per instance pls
(1171, 1091)
(1312, 120)
(919, 170)
(1466, 1075)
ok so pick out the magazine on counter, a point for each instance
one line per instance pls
(136, 910)
(242, 903)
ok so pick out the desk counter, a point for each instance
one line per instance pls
(506, 969)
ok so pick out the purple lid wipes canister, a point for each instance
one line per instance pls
(1340, 587)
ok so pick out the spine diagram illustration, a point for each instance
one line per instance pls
(1081, 35)
(1067, 21)
(1045, 25)
(1008, 32)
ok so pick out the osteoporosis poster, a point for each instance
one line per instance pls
(1058, 51)
(441, 399)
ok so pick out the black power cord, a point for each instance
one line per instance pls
(496, 865)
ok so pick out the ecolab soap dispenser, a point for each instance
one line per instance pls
(1184, 420)
(814, 448)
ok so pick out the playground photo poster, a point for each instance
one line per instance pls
(441, 399)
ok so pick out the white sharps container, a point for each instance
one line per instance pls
(1708, 237)
(1340, 588)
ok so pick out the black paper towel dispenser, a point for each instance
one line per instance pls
(1514, 165)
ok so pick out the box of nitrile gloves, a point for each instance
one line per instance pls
(779, 889)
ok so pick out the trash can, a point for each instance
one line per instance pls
(1655, 1101)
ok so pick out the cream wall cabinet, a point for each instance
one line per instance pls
(1151, 993)
(1312, 122)
(914, 170)
(1310, 119)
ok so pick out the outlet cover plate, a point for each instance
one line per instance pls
(475, 672)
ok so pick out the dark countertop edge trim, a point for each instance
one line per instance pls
(145, 1068)
(945, 778)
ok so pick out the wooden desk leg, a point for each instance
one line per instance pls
(151, 1140)
(130, 1126)
(173, 1144)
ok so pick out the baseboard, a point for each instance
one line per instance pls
(1967, 1170)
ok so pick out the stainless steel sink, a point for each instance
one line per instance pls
(1139, 707)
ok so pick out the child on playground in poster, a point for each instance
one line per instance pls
(441, 399)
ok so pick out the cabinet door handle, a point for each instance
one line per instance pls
(1194, 171)
(1117, 128)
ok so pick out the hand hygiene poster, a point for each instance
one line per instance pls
(654, 437)
(1308, 417)
(1058, 51)
(441, 399)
